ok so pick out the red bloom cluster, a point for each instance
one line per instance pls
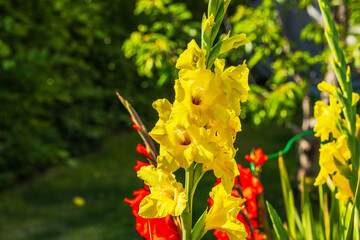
(151, 229)
(258, 157)
(250, 188)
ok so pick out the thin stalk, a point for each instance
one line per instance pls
(186, 216)
(144, 134)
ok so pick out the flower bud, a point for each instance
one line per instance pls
(209, 24)
(236, 41)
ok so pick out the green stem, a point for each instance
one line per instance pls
(289, 143)
(186, 216)
(345, 96)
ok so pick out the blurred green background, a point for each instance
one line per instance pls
(64, 134)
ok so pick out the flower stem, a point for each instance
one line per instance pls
(344, 96)
(186, 216)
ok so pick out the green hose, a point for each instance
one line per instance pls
(289, 143)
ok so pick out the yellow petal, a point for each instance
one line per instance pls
(192, 58)
(167, 196)
(327, 88)
(233, 42)
(322, 177)
(163, 107)
(223, 214)
(166, 162)
(343, 184)
(209, 24)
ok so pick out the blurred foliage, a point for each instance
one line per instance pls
(286, 70)
(60, 65)
(61, 62)
(156, 45)
(281, 71)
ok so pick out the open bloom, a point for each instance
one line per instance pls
(225, 132)
(326, 118)
(258, 157)
(224, 167)
(234, 83)
(167, 195)
(332, 155)
(223, 214)
(343, 184)
(250, 187)
(192, 58)
(156, 228)
(180, 146)
(199, 91)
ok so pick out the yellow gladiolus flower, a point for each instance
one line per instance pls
(192, 58)
(224, 167)
(202, 96)
(326, 159)
(225, 132)
(167, 196)
(326, 117)
(234, 83)
(328, 153)
(236, 41)
(180, 146)
(223, 214)
(343, 184)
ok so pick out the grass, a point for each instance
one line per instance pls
(43, 208)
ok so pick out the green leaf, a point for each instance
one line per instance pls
(280, 231)
(323, 213)
(291, 213)
(198, 231)
(306, 213)
(335, 224)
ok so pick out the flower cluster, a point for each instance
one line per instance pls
(201, 125)
(198, 128)
(248, 187)
(335, 155)
(196, 132)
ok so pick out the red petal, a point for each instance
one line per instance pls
(141, 149)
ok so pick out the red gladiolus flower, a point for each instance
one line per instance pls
(247, 180)
(141, 149)
(258, 158)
